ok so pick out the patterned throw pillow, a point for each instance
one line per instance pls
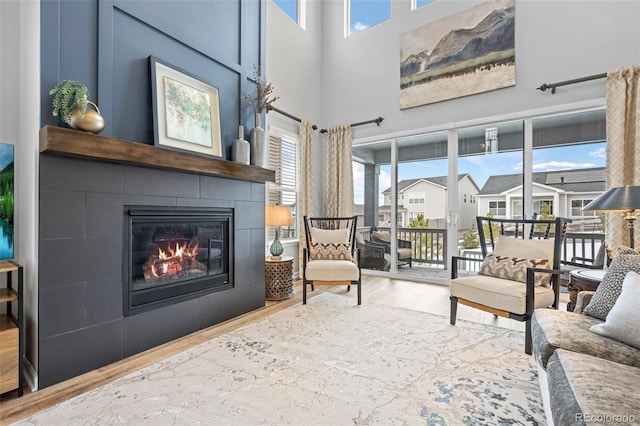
(513, 268)
(611, 285)
(330, 251)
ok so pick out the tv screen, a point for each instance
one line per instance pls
(6, 201)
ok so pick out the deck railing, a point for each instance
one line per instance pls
(429, 247)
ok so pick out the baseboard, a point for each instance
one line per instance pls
(30, 375)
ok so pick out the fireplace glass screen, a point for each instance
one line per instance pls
(175, 255)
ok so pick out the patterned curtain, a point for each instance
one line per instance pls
(339, 198)
(305, 182)
(623, 143)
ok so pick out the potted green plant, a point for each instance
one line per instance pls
(70, 100)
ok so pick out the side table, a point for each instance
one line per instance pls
(582, 280)
(278, 278)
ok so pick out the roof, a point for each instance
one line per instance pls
(577, 180)
(438, 180)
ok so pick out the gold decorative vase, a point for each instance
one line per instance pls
(92, 121)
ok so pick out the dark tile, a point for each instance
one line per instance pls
(225, 189)
(224, 305)
(147, 181)
(104, 215)
(204, 202)
(62, 214)
(249, 214)
(242, 243)
(68, 355)
(103, 301)
(73, 174)
(258, 243)
(71, 261)
(148, 200)
(150, 329)
(257, 192)
(249, 270)
(61, 309)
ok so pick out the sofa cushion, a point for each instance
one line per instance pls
(553, 329)
(583, 389)
(497, 293)
(332, 270)
(623, 321)
(609, 289)
(512, 268)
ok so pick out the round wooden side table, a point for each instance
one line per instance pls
(278, 278)
(582, 280)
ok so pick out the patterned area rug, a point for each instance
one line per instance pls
(327, 363)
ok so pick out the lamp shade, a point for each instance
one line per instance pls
(619, 198)
(278, 216)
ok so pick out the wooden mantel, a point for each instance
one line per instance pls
(73, 143)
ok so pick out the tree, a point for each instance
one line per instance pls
(471, 240)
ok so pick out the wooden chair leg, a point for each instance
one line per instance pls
(527, 338)
(454, 310)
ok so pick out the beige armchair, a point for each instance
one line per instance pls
(405, 253)
(520, 270)
(330, 256)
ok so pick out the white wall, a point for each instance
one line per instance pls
(555, 40)
(19, 125)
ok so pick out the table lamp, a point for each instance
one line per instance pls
(277, 216)
(624, 199)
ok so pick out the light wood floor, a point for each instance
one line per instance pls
(406, 294)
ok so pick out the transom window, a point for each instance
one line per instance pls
(362, 14)
(295, 9)
(416, 198)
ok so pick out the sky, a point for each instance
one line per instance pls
(480, 167)
(363, 13)
(6, 155)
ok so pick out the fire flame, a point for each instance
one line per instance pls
(174, 260)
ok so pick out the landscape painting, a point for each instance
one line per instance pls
(470, 52)
(6, 201)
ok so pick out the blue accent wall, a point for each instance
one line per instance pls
(105, 44)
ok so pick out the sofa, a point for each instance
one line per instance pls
(589, 360)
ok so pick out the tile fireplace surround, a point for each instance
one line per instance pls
(85, 183)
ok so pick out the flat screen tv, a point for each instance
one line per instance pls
(6, 201)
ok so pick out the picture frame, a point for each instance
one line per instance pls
(186, 110)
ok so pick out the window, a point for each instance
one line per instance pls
(283, 158)
(465, 198)
(416, 198)
(543, 207)
(576, 208)
(419, 3)
(498, 208)
(290, 7)
(362, 14)
(516, 209)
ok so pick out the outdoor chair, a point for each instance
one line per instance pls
(330, 256)
(372, 254)
(404, 246)
(519, 273)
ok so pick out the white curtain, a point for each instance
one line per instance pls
(623, 143)
(339, 197)
(305, 182)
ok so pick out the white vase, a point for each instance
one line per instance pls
(258, 145)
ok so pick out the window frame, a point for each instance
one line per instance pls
(281, 136)
(497, 209)
(416, 195)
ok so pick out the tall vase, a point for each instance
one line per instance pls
(258, 145)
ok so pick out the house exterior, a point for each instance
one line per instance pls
(428, 196)
(561, 193)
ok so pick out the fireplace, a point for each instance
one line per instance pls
(173, 254)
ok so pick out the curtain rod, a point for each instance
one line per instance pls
(375, 120)
(553, 86)
(293, 117)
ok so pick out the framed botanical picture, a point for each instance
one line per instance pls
(186, 110)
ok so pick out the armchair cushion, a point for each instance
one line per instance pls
(332, 270)
(329, 235)
(330, 251)
(528, 249)
(623, 319)
(512, 268)
(611, 285)
(498, 293)
(404, 253)
(381, 235)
